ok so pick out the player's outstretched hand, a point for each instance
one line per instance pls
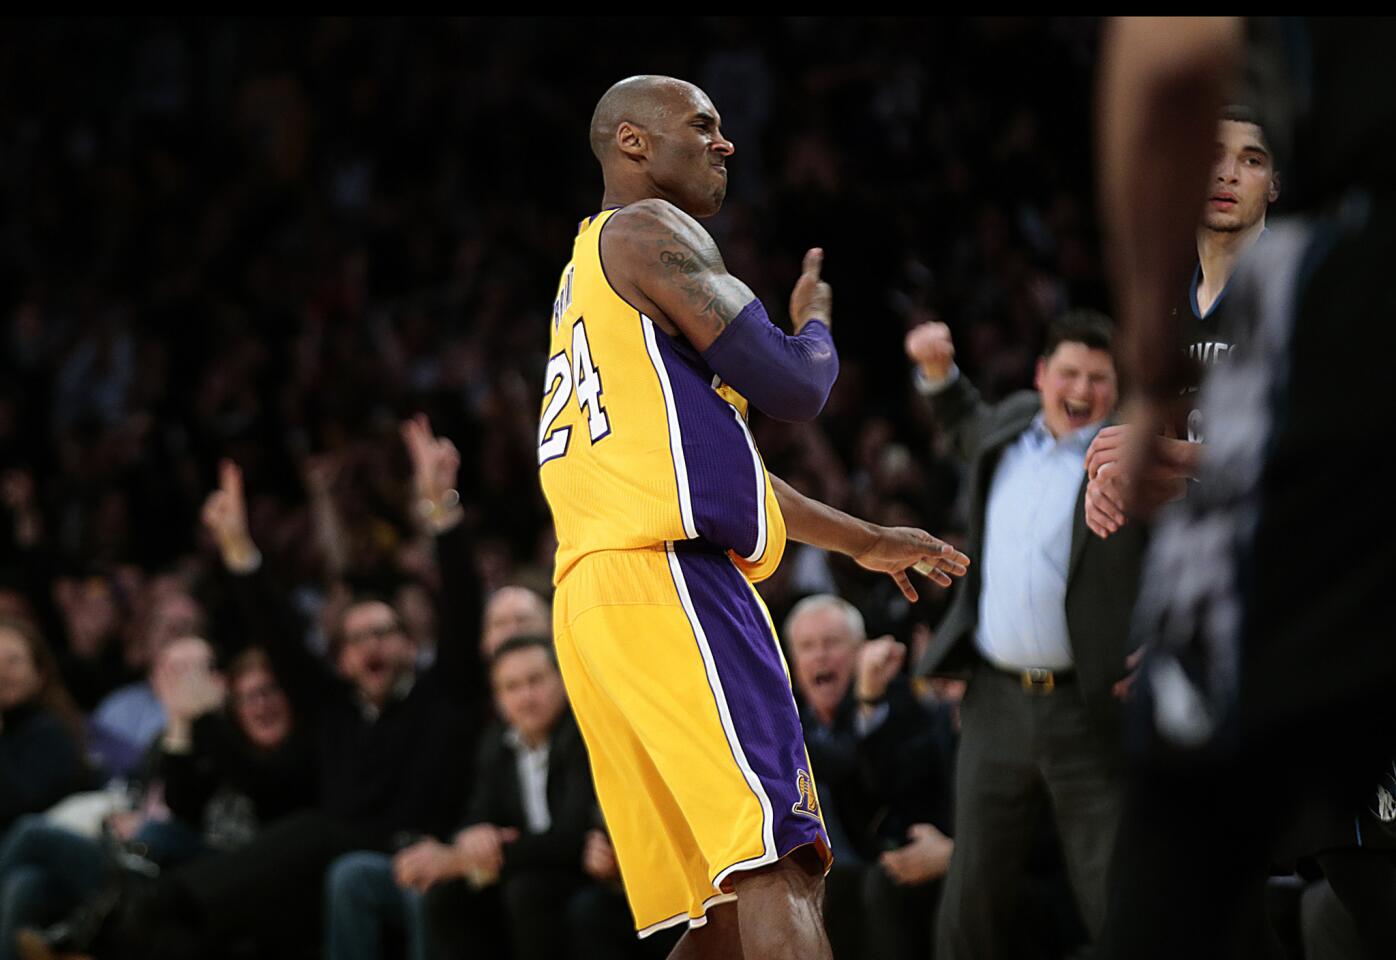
(812, 298)
(1105, 501)
(930, 347)
(895, 550)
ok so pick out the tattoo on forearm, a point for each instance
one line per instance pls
(690, 273)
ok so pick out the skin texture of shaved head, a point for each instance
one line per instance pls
(642, 100)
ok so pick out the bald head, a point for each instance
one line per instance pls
(644, 101)
(660, 137)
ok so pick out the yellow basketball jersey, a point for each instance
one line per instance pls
(639, 443)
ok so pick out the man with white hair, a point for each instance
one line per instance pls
(881, 760)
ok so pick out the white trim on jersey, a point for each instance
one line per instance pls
(760, 490)
(690, 526)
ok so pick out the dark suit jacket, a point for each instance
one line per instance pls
(880, 784)
(497, 798)
(1102, 579)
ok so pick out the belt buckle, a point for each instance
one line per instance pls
(1039, 680)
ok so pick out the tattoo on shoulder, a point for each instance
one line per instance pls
(691, 271)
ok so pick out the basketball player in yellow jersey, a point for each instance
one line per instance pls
(665, 515)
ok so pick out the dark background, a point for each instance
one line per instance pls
(273, 240)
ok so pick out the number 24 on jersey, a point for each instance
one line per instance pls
(563, 379)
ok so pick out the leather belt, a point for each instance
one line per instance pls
(1040, 680)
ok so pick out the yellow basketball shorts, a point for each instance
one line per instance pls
(682, 694)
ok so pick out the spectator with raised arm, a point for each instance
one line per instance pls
(1040, 625)
(390, 739)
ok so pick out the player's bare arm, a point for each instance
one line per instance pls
(889, 550)
(666, 265)
(662, 260)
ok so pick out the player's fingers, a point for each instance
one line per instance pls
(814, 262)
(951, 567)
(904, 583)
(1111, 501)
(953, 555)
(1098, 520)
(1096, 527)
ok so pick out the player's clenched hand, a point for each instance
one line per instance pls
(812, 298)
(894, 550)
(929, 346)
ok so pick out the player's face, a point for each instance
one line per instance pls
(528, 691)
(1243, 184)
(1078, 387)
(376, 650)
(822, 652)
(688, 157)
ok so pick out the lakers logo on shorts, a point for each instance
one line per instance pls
(808, 803)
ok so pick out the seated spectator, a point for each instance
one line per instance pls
(867, 735)
(129, 719)
(41, 761)
(530, 807)
(388, 737)
(599, 918)
(226, 765)
(89, 650)
(41, 758)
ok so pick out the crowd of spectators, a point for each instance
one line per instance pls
(266, 246)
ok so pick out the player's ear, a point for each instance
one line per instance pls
(1274, 186)
(633, 141)
(1039, 372)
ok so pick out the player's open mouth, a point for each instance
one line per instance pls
(1078, 414)
(824, 677)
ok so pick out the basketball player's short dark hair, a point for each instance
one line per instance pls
(523, 642)
(1089, 327)
(1244, 113)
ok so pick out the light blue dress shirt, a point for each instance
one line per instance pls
(1027, 548)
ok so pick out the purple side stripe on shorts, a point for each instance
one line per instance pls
(758, 698)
